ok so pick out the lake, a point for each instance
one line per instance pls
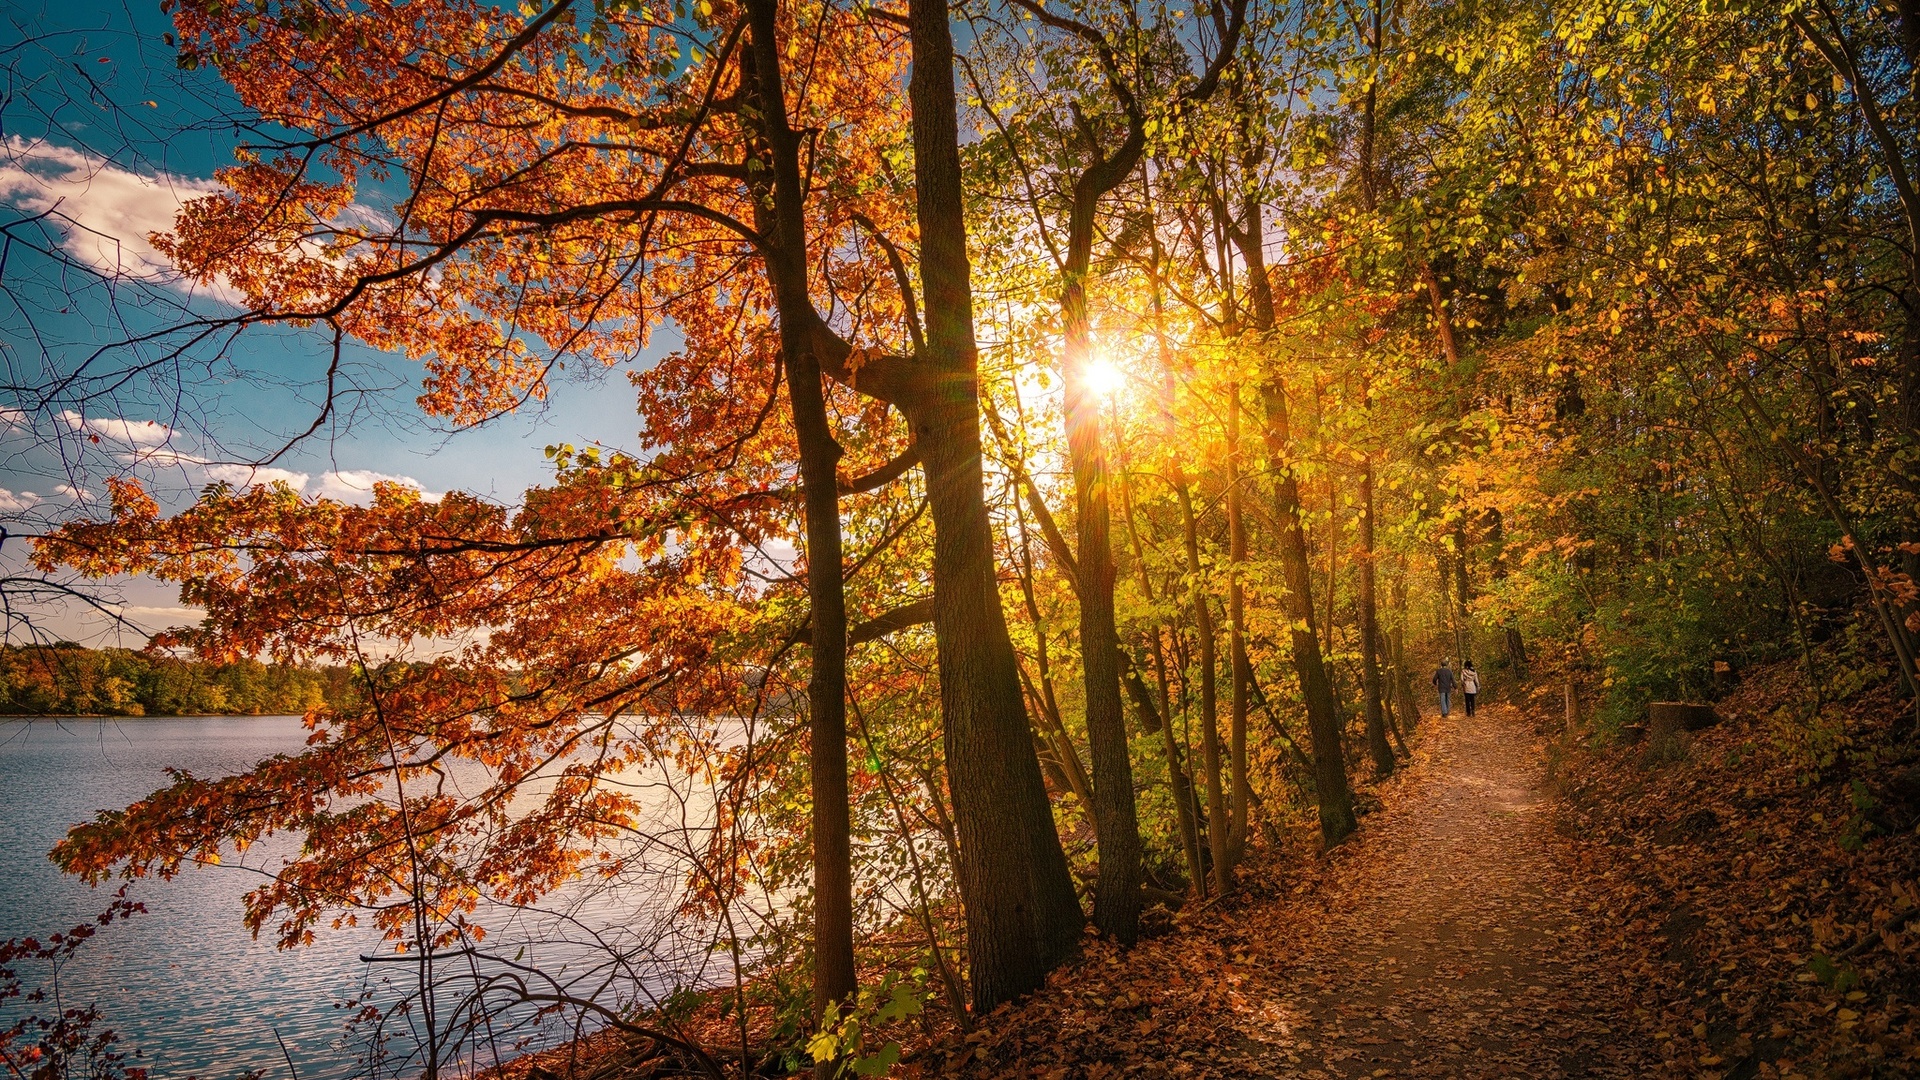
(185, 983)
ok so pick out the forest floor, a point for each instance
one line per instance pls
(1741, 903)
(1445, 940)
(1519, 905)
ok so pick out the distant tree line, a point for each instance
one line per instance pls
(66, 679)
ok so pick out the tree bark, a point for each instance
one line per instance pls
(1182, 780)
(1116, 900)
(834, 979)
(1176, 767)
(1022, 915)
(1333, 557)
(1370, 631)
(1055, 740)
(1242, 668)
(1462, 597)
(1323, 716)
(1369, 607)
(1449, 345)
(1219, 817)
(1183, 786)
(1397, 645)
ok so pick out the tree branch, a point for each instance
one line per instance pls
(1839, 55)
(888, 622)
(901, 280)
(882, 476)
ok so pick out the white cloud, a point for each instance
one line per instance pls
(162, 457)
(107, 212)
(15, 418)
(359, 216)
(356, 485)
(341, 485)
(241, 476)
(144, 443)
(125, 432)
(143, 611)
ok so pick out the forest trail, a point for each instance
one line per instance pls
(1450, 943)
(1445, 940)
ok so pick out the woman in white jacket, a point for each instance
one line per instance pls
(1469, 685)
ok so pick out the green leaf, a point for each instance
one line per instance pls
(878, 1064)
(904, 1003)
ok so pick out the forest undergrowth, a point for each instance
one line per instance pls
(1525, 901)
(1413, 949)
(1764, 898)
(1441, 941)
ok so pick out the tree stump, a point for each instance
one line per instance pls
(1669, 718)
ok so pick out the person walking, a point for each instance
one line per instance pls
(1469, 685)
(1443, 682)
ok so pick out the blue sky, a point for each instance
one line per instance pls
(103, 138)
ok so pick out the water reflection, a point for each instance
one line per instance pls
(188, 987)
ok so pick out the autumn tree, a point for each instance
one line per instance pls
(1066, 154)
(572, 177)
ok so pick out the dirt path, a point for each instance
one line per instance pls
(1445, 940)
(1451, 945)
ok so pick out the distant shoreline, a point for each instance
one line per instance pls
(149, 716)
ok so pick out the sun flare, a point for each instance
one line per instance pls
(1102, 377)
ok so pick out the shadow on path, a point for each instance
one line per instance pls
(1447, 943)
(1448, 938)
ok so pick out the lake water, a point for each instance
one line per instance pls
(185, 983)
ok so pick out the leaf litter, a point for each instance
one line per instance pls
(1492, 921)
(1520, 904)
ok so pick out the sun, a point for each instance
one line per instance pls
(1102, 377)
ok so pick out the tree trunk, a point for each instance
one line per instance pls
(1669, 718)
(1116, 901)
(1461, 595)
(1176, 764)
(1397, 645)
(1449, 345)
(1022, 915)
(1333, 565)
(1181, 777)
(1065, 759)
(1203, 621)
(1369, 608)
(1323, 716)
(1242, 668)
(834, 977)
(1370, 631)
(1219, 818)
